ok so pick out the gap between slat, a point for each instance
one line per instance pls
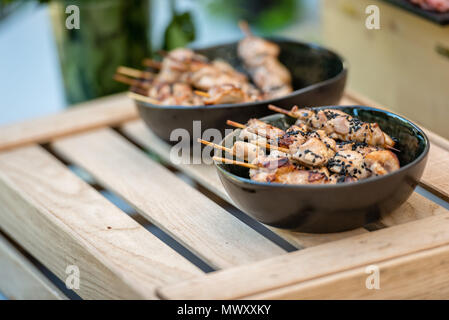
(126, 208)
(62, 221)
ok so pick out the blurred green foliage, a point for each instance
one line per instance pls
(112, 33)
(180, 31)
(266, 15)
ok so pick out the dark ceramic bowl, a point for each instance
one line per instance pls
(332, 208)
(319, 78)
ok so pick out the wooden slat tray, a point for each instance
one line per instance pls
(184, 239)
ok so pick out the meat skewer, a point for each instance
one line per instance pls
(261, 59)
(219, 82)
(279, 171)
(340, 125)
(184, 67)
(311, 150)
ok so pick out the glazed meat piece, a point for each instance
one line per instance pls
(208, 77)
(261, 60)
(226, 68)
(310, 148)
(337, 178)
(247, 151)
(181, 91)
(185, 56)
(313, 153)
(349, 163)
(382, 162)
(301, 177)
(174, 94)
(269, 165)
(246, 134)
(330, 143)
(225, 94)
(294, 136)
(361, 147)
(253, 50)
(272, 77)
(433, 5)
(176, 64)
(264, 129)
(280, 170)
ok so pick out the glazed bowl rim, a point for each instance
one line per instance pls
(311, 87)
(415, 161)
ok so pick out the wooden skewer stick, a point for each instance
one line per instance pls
(202, 93)
(216, 146)
(152, 63)
(255, 131)
(283, 111)
(244, 26)
(123, 79)
(238, 163)
(235, 124)
(143, 98)
(162, 53)
(134, 73)
(269, 146)
(131, 81)
(391, 148)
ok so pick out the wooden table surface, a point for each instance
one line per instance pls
(50, 214)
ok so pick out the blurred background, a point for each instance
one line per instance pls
(44, 67)
(57, 67)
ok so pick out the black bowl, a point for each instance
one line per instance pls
(332, 208)
(319, 77)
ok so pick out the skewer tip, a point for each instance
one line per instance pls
(202, 93)
(235, 162)
(235, 124)
(244, 26)
(392, 148)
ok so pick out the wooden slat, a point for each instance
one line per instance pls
(19, 279)
(107, 111)
(423, 275)
(415, 208)
(206, 175)
(436, 175)
(307, 240)
(313, 263)
(62, 221)
(201, 225)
